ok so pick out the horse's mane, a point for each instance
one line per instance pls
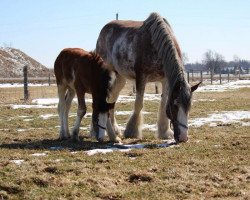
(165, 43)
(105, 78)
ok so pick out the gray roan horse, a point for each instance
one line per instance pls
(79, 72)
(147, 52)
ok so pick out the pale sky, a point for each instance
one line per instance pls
(43, 28)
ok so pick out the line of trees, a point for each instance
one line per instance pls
(215, 63)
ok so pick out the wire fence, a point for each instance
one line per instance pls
(210, 77)
(23, 90)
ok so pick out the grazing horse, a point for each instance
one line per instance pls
(147, 52)
(78, 71)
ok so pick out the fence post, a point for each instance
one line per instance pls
(25, 83)
(156, 88)
(211, 72)
(192, 75)
(188, 76)
(220, 76)
(201, 77)
(228, 77)
(49, 79)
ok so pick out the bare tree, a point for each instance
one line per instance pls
(213, 61)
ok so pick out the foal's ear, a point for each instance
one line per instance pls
(194, 87)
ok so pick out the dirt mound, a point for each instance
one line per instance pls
(12, 62)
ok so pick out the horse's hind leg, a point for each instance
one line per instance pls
(134, 125)
(68, 98)
(163, 123)
(61, 109)
(81, 111)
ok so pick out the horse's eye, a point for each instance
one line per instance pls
(176, 102)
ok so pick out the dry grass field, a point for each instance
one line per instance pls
(213, 164)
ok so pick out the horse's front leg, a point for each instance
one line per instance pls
(113, 96)
(81, 111)
(164, 131)
(134, 125)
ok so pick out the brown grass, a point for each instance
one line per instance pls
(214, 164)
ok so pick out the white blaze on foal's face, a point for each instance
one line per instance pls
(182, 117)
(102, 123)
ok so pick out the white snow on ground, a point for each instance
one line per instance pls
(225, 117)
(127, 147)
(104, 151)
(38, 154)
(209, 100)
(14, 85)
(47, 116)
(17, 162)
(22, 106)
(225, 86)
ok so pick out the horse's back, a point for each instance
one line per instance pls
(127, 48)
(114, 30)
(65, 62)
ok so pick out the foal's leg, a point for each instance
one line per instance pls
(69, 97)
(61, 89)
(81, 111)
(163, 123)
(134, 125)
(113, 96)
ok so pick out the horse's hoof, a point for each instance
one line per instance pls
(75, 139)
(63, 138)
(100, 140)
(116, 140)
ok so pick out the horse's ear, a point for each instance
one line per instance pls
(194, 87)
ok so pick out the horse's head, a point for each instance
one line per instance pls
(100, 117)
(100, 104)
(178, 107)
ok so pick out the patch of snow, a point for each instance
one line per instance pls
(28, 120)
(129, 112)
(151, 127)
(16, 85)
(21, 130)
(58, 160)
(23, 106)
(38, 154)
(17, 162)
(225, 117)
(47, 116)
(147, 97)
(202, 100)
(54, 101)
(104, 151)
(225, 87)
(128, 147)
